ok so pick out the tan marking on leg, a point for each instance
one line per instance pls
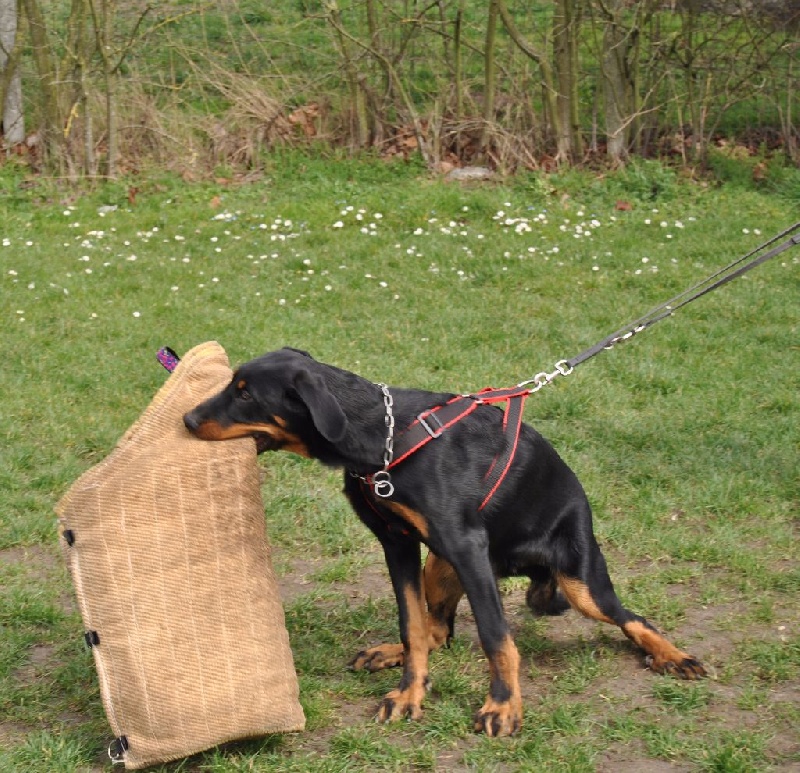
(580, 597)
(502, 717)
(380, 657)
(406, 700)
(417, 630)
(443, 591)
(416, 519)
(664, 657)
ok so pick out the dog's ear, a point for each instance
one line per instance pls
(297, 351)
(326, 413)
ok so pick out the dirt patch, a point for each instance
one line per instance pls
(298, 576)
(43, 564)
(714, 632)
(13, 733)
(620, 758)
(38, 658)
(38, 561)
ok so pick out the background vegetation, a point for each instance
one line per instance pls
(112, 85)
(686, 440)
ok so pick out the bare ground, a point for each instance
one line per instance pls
(713, 632)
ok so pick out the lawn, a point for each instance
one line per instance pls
(686, 440)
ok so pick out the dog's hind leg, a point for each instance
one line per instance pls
(589, 590)
(443, 591)
(543, 596)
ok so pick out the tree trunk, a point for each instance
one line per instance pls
(565, 49)
(110, 78)
(787, 119)
(548, 86)
(52, 120)
(616, 85)
(80, 47)
(10, 80)
(458, 68)
(691, 76)
(359, 122)
(489, 75)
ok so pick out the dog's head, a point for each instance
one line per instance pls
(281, 399)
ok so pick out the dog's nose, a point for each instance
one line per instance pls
(190, 421)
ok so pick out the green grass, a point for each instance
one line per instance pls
(686, 440)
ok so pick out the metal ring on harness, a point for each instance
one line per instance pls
(382, 484)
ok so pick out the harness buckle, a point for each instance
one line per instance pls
(434, 433)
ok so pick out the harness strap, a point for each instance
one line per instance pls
(430, 424)
(490, 395)
(512, 423)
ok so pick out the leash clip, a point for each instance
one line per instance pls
(382, 484)
(540, 380)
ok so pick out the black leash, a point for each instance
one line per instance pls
(430, 424)
(667, 309)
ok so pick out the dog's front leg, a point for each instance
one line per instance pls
(405, 569)
(501, 714)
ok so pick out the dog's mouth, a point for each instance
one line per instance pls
(265, 442)
(213, 430)
(268, 437)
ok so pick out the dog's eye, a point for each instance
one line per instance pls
(245, 395)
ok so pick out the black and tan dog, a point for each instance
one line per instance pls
(537, 523)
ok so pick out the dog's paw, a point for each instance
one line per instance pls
(378, 658)
(399, 704)
(498, 718)
(685, 668)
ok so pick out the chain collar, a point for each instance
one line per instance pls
(381, 481)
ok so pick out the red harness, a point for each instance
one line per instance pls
(431, 424)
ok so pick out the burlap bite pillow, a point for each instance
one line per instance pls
(166, 544)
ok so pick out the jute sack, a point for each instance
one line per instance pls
(166, 544)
